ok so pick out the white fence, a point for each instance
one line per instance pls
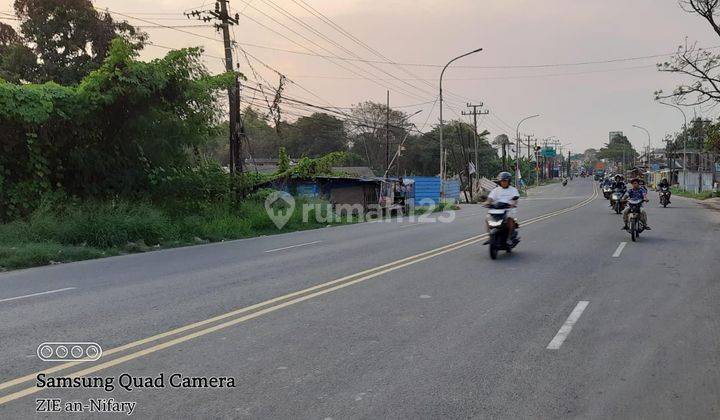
(696, 181)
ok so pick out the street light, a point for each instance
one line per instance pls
(517, 149)
(648, 135)
(442, 167)
(684, 143)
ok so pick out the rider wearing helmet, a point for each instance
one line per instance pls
(664, 184)
(505, 193)
(618, 183)
(635, 193)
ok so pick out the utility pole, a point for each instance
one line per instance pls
(568, 165)
(528, 146)
(387, 134)
(220, 13)
(475, 113)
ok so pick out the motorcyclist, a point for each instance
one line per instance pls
(505, 193)
(664, 184)
(635, 193)
(618, 184)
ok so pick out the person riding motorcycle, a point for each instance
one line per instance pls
(664, 184)
(505, 193)
(618, 184)
(635, 193)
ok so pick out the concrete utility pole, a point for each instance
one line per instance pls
(387, 134)
(221, 13)
(518, 175)
(442, 160)
(528, 146)
(475, 113)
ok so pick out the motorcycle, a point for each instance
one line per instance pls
(635, 220)
(664, 196)
(498, 229)
(616, 201)
(607, 192)
(564, 182)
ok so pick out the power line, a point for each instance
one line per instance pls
(495, 67)
(331, 58)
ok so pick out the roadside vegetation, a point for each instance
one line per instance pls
(698, 196)
(102, 153)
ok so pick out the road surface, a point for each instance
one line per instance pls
(393, 320)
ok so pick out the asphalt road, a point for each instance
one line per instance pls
(394, 320)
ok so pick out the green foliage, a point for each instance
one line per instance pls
(283, 160)
(63, 229)
(617, 149)
(421, 155)
(316, 135)
(704, 195)
(66, 39)
(310, 168)
(123, 125)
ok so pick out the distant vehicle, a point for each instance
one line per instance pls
(664, 196)
(599, 174)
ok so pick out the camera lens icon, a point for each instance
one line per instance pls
(69, 352)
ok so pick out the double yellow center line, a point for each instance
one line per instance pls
(207, 326)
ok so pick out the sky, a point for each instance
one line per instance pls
(579, 104)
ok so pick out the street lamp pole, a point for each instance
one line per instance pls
(648, 136)
(684, 142)
(517, 149)
(442, 160)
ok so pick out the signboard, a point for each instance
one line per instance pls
(548, 152)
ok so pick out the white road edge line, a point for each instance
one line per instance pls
(560, 337)
(619, 249)
(37, 294)
(293, 246)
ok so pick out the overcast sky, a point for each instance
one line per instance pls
(579, 104)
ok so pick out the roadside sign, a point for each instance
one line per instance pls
(548, 152)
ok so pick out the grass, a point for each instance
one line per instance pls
(64, 231)
(690, 194)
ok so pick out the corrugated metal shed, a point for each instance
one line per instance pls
(427, 188)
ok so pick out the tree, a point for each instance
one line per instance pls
(368, 122)
(126, 127)
(701, 65)
(421, 156)
(263, 140)
(69, 38)
(16, 59)
(619, 149)
(316, 135)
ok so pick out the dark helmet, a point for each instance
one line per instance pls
(504, 176)
(618, 177)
